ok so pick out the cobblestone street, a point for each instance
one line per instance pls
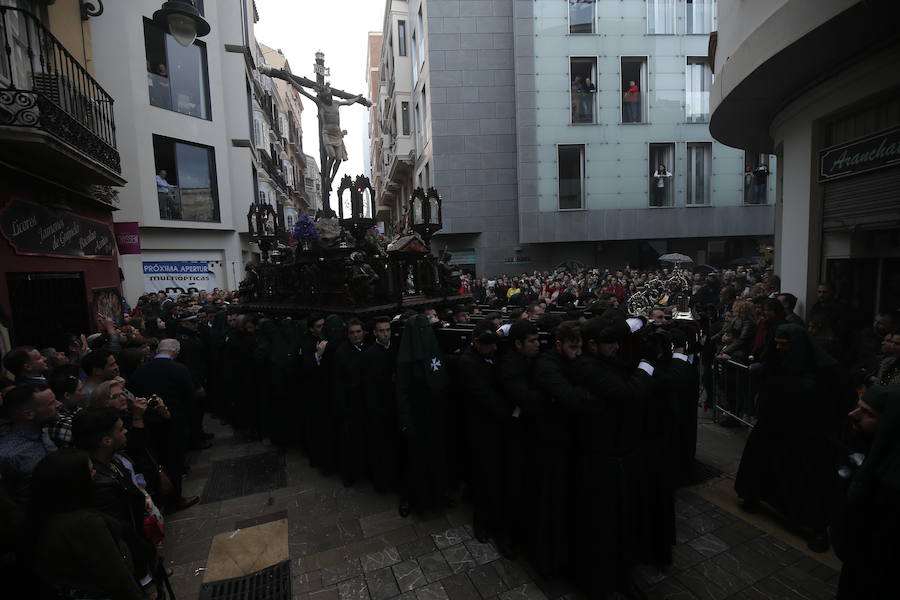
(351, 543)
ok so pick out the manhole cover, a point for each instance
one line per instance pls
(272, 583)
(243, 476)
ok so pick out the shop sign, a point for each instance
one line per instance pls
(177, 277)
(33, 229)
(867, 154)
(128, 237)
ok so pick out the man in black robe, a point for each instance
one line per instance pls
(488, 414)
(610, 474)
(312, 377)
(348, 403)
(550, 544)
(382, 431)
(194, 355)
(870, 525)
(517, 385)
(422, 410)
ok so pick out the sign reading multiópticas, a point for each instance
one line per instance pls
(33, 229)
(177, 277)
(867, 154)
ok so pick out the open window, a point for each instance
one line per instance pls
(699, 171)
(581, 16)
(570, 165)
(583, 71)
(757, 168)
(185, 180)
(177, 76)
(662, 181)
(634, 86)
(699, 16)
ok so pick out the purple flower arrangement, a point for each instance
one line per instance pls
(305, 229)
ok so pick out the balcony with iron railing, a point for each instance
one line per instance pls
(275, 174)
(54, 116)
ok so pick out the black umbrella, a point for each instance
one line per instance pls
(704, 269)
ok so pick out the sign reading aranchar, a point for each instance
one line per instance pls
(36, 229)
(867, 154)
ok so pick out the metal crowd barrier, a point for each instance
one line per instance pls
(735, 392)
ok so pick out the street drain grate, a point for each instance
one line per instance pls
(272, 583)
(236, 477)
(703, 473)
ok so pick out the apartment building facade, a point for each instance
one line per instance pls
(562, 131)
(203, 135)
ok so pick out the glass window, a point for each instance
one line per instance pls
(581, 16)
(699, 16)
(185, 180)
(420, 130)
(699, 168)
(176, 76)
(757, 168)
(698, 81)
(404, 118)
(401, 38)
(584, 92)
(634, 82)
(662, 188)
(415, 59)
(661, 16)
(571, 176)
(420, 27)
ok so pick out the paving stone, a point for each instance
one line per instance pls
(451, 537)
(362, 547)
(459, 558)
(482, 553)
(409, 575)
(511, 573)
(685, 557)
(305, 583)
(744, 565)
(378, 560)
(487, 581)
(353, 589)
(669, 589)
(434, 566)
(398, 537)
(417, 547)
(647, 576)
(432, 591)
(824, 572)
(737, 533)
(340, 571)
(382, 584)
(771, 588)
(405, 596)
(704, 523)
(459, 587)
(379, 523)
(330, 593)
(431, 526)
(775, 549)
(684, 510)
(804, 584)
(526, 591)
(700, 586)
(708, 545)
(715, 574)
(684, 533)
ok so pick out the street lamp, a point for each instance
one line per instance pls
(182, 19)
(179, 17)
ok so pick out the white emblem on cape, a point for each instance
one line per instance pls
(435, 364)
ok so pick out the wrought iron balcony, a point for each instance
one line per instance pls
(52, 112)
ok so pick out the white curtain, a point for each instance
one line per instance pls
(699, 165)
(697, 86)
(700, 16)
(661, 16)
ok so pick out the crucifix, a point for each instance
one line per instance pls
(331, 137)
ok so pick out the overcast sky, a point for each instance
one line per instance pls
(300, 28)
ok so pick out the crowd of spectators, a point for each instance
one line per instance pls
(98, 428)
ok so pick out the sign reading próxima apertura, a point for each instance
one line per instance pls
(866, 154)
(39, 230)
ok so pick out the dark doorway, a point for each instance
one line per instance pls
(45, 306)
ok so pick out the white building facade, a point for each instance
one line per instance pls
(188, 145)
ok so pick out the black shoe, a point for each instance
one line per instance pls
(404, 508)
(481, 534)
(505, 548)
